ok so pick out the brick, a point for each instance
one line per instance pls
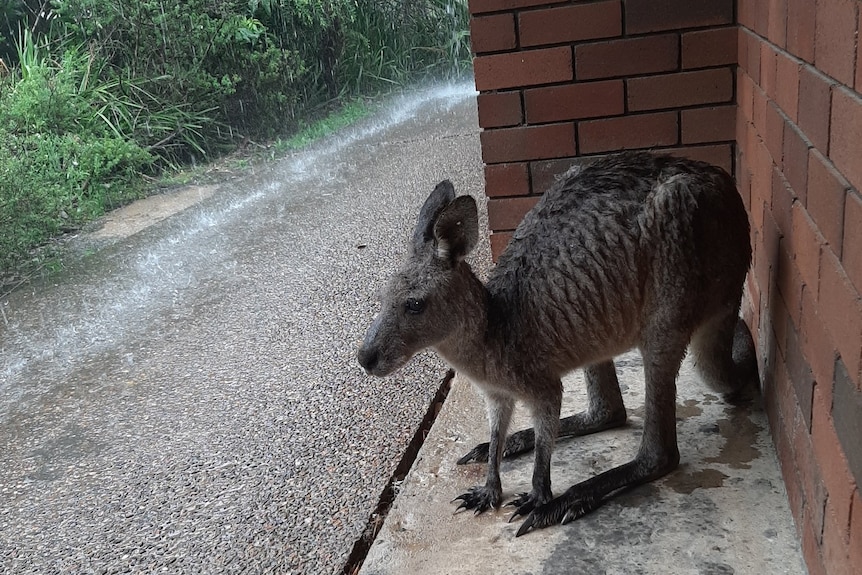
(574, 101)
(777, 23)
(720, 155)
(773, 135)
(781, 325)
(762, 263)
(680, 89)
(751, 305)
(795, 162)
(714, 47)
(788, 281)
(546, 173)
(851, 246)
(826, 196)
(749, 46)
(816, 343)
(742, 51)
(493, 33)
(570, 23)
(761, 176)
(499, 241)
(845, 135)
(833, 464)
(507, 180)
(746, 13)
(759, 112)
(782, 433)
(745, 94)
(499, 109)
(627, 57)
(800, 374)
(713, 124)
(856, 530)
(479, 6)
(787, 85)
(814, 493)
(782, 203)
(771, 236)
(805, 246)
(740, 154)
(655, 15)
(527, 143)
(525, 68)
(836, 555)
(761, 17)
(801, 29)
(847, 415)
(815, 103)
(507, 213)
(840, 306)
(768, 65)
(835, 39)
(628, 132)
(859, 55)
(811, 549)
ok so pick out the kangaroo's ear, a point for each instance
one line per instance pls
(442, 196)
(457, 229)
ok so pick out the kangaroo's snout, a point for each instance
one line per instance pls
(368, 357)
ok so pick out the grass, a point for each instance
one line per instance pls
(349, 114)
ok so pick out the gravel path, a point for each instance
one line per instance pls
(187, 400)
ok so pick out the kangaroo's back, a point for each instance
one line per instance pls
(609, 244)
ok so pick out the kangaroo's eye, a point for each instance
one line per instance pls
(414, 306)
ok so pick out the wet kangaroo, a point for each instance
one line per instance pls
(633, 251)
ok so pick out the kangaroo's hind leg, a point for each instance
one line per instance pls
(606, 411)
(658, 453)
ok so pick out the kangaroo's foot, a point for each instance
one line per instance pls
(561, 510)
(525, 503)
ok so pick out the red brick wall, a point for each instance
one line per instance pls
(799, 168)
(562, 80)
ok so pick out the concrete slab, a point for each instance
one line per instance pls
(723, 511)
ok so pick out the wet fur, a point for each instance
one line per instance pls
(634, 251)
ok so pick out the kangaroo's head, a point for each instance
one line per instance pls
(423, 303)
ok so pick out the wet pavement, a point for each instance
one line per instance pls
(186, 399)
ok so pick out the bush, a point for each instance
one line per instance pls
(61, 164)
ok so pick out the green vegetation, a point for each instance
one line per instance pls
(96, 95)
(345, 116)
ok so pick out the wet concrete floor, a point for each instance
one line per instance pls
(723, 511)
(186, 399)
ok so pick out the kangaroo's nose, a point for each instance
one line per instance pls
(368, 358)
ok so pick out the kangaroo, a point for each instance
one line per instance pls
(636, 250)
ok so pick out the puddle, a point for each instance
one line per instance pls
(740, 435)
(686, 482)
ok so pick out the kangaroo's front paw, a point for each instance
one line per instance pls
(561, 510)
(479, 498)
